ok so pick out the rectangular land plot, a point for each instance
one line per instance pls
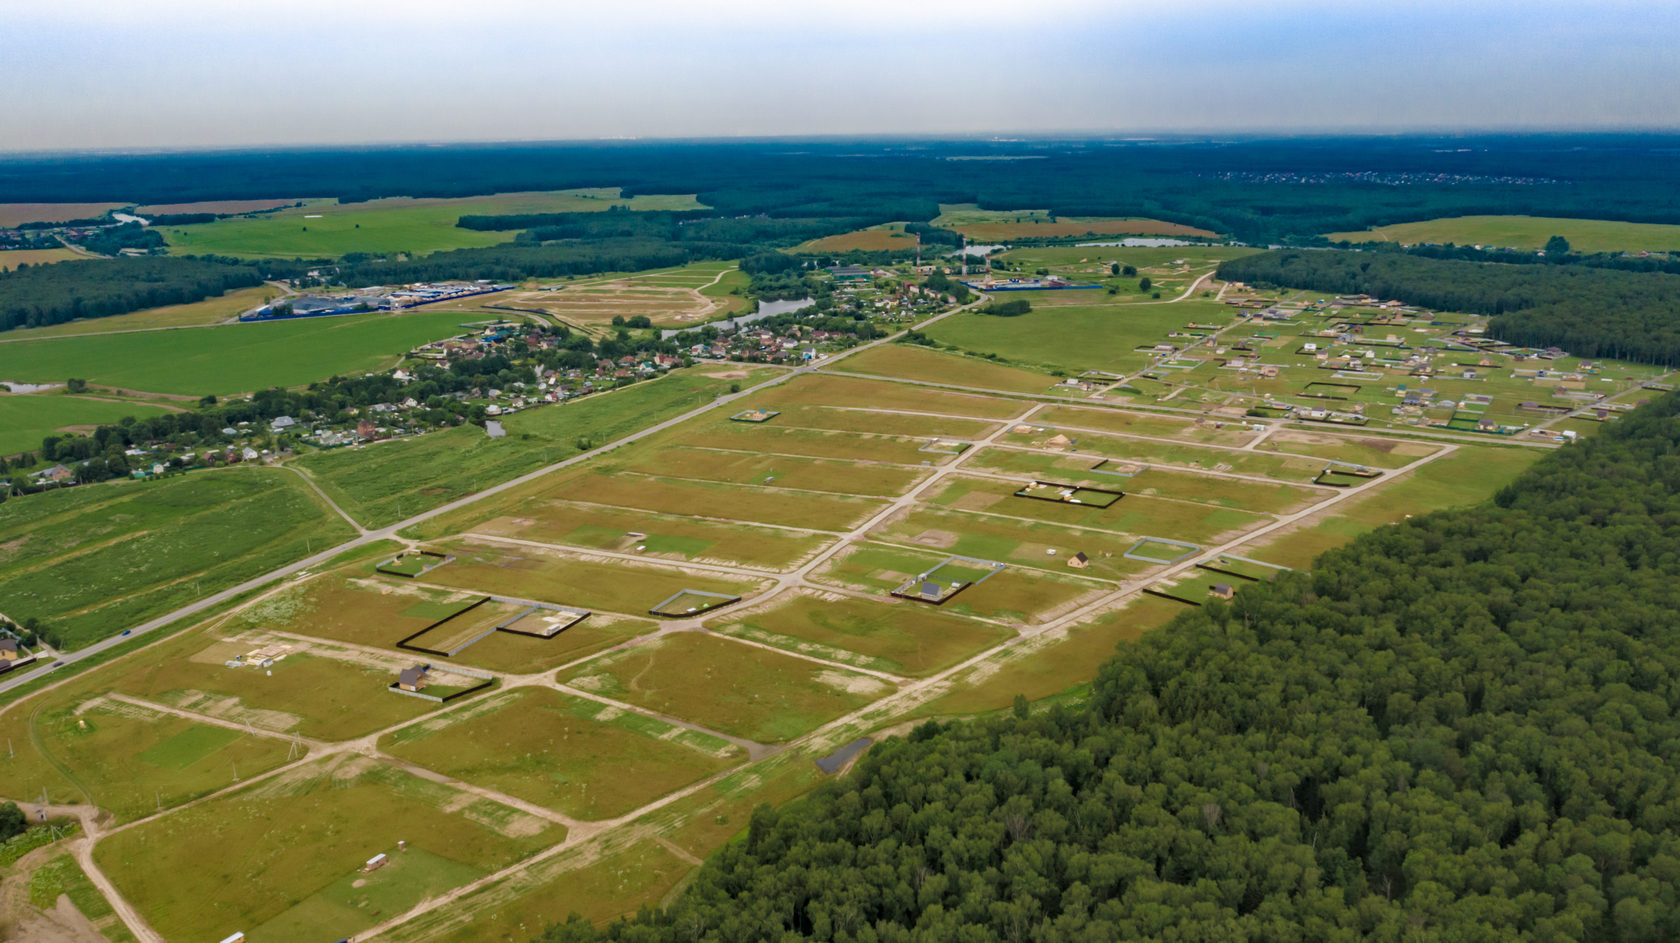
(811, 443)
(1010, 541)
(575, 756)
(519, 654)
(1155, 452)
(933, 366)
(826, 390)
(715, 501)
(656, 536)
(129, 759)
(450, 636)
(378, 612)
(314, 695)
(275, 860)
(689, 602)
(870, 421)
(1014, 594)
(732, 688)
(1134, 515)
(881, 635)
(1060, 493)
(1125, 422)
(1355, 450)
(777, 471)
(572, 579)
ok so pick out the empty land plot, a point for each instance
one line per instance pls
(778, 471)
(376, 612)
(1226, 492)
(890, 636)
(656, 536)
(1355, 450)
(319, 697)
(750, 504)
(736, 689)
(521, 654)
(232, 358)
(887, 237)
(1051, 663)
(1068, 419)
(459, 631)
(280, 860)
(1130, 515)
(95, 559)
(871, 421)
(576, 756)
(597, 304)
(127, 759)
(910, 362)
(1012, 594)
(197, 314)
(573, 580)
(1075, 337)
(828, 390)
(1155, 452)
(25, 419)
(1003, 539)
(1526, 232)
(12, 258)
(811, 443)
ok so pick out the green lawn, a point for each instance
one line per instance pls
(325, 228)
(1526, 232)
(25, 420)
(96, 559)
(235, 358)
(406, 476)
(1075, 337)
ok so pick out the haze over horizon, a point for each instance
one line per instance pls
(190, 74)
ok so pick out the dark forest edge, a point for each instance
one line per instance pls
(1590, 312)
(1461, 726)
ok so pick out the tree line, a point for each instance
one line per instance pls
(39, 295)
(1591, 312)
(1460, 727)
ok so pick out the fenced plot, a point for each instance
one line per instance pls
(413, 563)
(755, 415)
(452, 634)
(1162, 550)
(1242, 568)
(1069, 494)
(950, 577)
(692, 602)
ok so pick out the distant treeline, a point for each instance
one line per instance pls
(1460, 727)
(1612, 260)
(1256, 190)
(517, 261)
(111, 240)
(39, 295)
(1591, 312)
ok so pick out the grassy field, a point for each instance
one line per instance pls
(748, 504)
(15, 214)
(856, 392)
(63, 876)
(571, 580)
(1133, 514)
(886, 237)
(1010, 541)
(353, 608)
(197, 314)
(13, 258)
(910, 362)
(382, 483)
(774, 471)
(230, 359)
(93, 560)
(572, 755)
(776, 438)
(1075, 337)
(1526, 232)
(212, 206)
(1013, 595)
(663, 536)
(26, 418)
(127, 759)
(325, 228)
(280, 860)
(1003, 225)
(728, 687)
(890, 636)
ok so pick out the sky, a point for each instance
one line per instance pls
(119, 74)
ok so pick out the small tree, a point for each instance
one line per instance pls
(1114, 268)
(76, 385)
(1129, 271)
(12, 820)
(1557, 245)
(1144, 283)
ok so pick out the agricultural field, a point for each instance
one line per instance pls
(16, 214)
(1005, 225)
(25, 418)
(670, 298)
(234, 358)
(1074, 338)
(328, 229)
(1526, 232)
(919, 363)
(887, 237)
(213, 206)
(12, 258)
(198, 314)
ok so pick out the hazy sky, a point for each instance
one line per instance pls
(187, 73)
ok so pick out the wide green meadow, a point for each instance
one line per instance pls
(235, 358)
(1526, 232)
(328, 229)
(26, 418)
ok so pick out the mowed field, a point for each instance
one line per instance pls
(26, 418)
(1003, 225)
(886, 237)
(1526, 232)
(234, 358)
(16, 214)
(198, 314)
(680, 297)
(326, 228)
(13, 258)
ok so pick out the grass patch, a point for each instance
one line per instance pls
(1526, 232)
(1012, 594)
(932, 366)
(26, 419)
(901, 638)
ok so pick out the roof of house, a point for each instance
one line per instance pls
(1223, 588)
(930, 588)
(412, 676)
(8, 645)
(1081, 557)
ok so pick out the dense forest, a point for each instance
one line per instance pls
(1592, 312)
(1258, 190)
(39, 295)
(1461, 727)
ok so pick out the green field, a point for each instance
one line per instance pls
(383, 483)
(235, 358)
(728, 687)
(572, 755)
(96, 559)
(1014, 595)
(1073, 338)
(903, 638)
(1526, 232)
(919, 363)
(26, 419)
(566, 580)
(327, 229)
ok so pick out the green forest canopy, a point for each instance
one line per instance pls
(1461, 727)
